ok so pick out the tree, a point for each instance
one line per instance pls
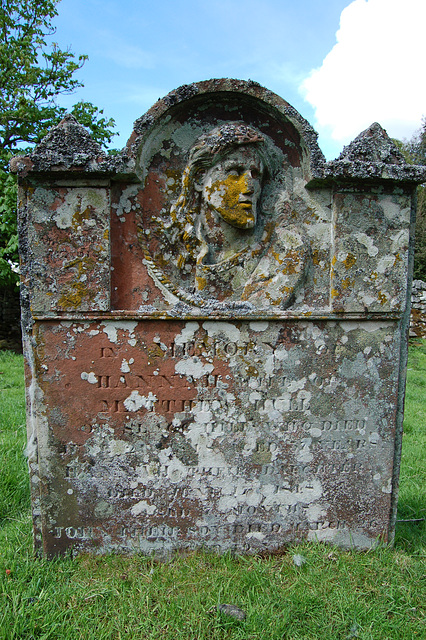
(8, 230)
(414, 151)
(33, 73)
(420, 239)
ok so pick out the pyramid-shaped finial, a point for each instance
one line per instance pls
(373, 145)
(67, 145)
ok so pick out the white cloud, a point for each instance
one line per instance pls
(375, 72)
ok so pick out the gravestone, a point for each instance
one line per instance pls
(215, 327)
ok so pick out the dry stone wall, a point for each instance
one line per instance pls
(418, 309)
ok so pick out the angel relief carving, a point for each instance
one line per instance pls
(238, 251)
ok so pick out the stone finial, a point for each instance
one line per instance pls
(67, 145)
(373, 156)
(373, 145)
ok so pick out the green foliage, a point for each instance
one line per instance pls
(8, 229)
(420, 239)
(414, 151)
(416, 146)
(89, 116)
(33, 73)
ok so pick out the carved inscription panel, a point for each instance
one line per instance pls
(157, 435)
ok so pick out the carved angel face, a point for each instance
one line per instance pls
(232, 187)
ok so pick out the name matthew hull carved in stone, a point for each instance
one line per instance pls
(221, 363)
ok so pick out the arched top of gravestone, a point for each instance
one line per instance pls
(175, 122)
(221, 208)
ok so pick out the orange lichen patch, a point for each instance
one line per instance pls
(181, 262)
(232, 210)
(79, 216)
(173, 174)
(335, 293)
(201, 282)
(347, 283)
(312, 213)
(334, 260)
(383, 299)
(81, 264)
(251, 370)
(277, 257)
(155, 352)
(106, 234)
(276, 301)
(285, 289)
(73, 297)
(374, 275)
(315, 257)
(292, 260)
(249, 289)
(349, 260)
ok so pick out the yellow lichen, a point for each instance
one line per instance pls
(73, 297)
(347, 283)
(201, 283)
(349, 260)
(232, 210)
(277, 256)
(155, 352)
(315, 257)
(79, 216)
(252, 371)
(286, 290)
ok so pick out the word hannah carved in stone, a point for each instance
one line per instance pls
(215, 330)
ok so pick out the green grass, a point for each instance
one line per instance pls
(335, 595)
(412, 494)
(14, 497)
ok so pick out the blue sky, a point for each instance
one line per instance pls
(341, 71)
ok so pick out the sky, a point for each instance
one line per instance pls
(343, 65)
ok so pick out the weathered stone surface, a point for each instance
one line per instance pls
(65, 246)
(215, 330)
(225, 433)
(371, 238)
